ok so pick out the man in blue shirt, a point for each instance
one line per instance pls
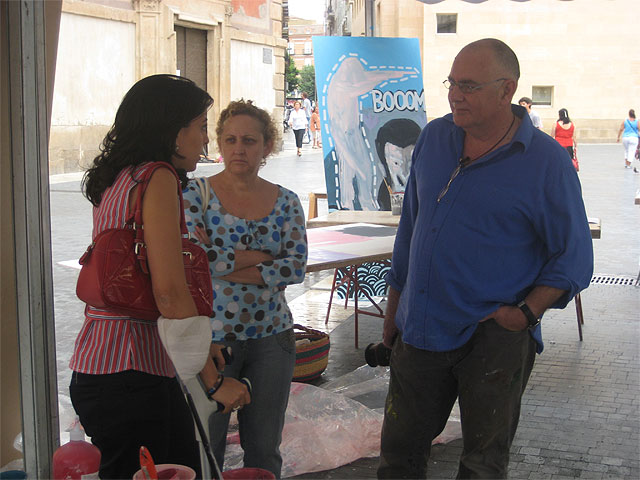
(493, 232)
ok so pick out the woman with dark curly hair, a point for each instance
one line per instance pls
(254, 234)
(123, 385)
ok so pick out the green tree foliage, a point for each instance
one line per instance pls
(291, 74)
(307, 81)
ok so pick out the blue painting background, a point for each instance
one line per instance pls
(363, 83)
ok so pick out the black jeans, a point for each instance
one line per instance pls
(488, 374)
(299, 134)
(123, 411)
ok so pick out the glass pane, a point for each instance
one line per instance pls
(542, 95)
(447, 22)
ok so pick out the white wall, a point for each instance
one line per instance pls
(251, 78)
(587, 50)
(96, 67)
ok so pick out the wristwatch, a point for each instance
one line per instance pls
(531, 318)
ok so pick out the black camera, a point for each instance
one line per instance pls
(227, 354)
(377, 355)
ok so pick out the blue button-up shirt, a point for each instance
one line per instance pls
(512, 220)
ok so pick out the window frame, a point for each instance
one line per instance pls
(455, 23)
(536, 97)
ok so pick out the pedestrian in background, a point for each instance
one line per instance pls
(315, 128)
(479, 255)
(629, 132)
(254, 234)
(306, 105)
(298, 122)
(526, 102)
(564, 131)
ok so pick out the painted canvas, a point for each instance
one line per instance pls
(372, 109)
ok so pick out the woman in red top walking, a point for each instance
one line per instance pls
(564, 131)
(123, 385)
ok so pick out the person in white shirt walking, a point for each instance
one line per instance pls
(298, 121)
(307, 106)
(526, 102)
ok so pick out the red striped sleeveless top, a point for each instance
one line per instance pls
(109, 342)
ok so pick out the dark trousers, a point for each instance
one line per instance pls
(569, 151)
(123, 411)
(488, 375)
(299, 134)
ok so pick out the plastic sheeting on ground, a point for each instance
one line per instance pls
(337, 424)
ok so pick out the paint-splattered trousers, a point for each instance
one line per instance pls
(488, 375)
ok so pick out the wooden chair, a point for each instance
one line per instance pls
(313, 203)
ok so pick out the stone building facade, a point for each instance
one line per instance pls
(232, 48)
(577, 55)
(300, 46)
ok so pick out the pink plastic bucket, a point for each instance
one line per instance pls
(167, 471)
(248, 474)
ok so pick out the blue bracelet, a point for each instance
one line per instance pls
(212, 391)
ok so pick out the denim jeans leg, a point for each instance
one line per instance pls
(422, 391)
(268, 364)
(218, 423)
(492, 379)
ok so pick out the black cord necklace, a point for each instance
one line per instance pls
(466, 160)
(463, 162)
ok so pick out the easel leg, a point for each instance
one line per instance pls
(579, 315)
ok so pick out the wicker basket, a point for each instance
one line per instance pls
(311, 358)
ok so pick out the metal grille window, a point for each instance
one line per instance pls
(447, 22)
(542, 95)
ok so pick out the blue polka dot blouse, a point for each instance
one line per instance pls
(243, 311)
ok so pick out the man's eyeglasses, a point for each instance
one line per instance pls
(463, 162)
(468, 87)
(454, 174)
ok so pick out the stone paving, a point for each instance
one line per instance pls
(580, 415)
(580, 411)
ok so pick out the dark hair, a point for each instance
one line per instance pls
(563, 116)
(526, 100)
(399, 131)
(147, 123)
(246, 107)
(632, 113)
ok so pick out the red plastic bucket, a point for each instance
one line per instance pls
(248, 474)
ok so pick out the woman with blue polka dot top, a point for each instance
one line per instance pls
(254, 234)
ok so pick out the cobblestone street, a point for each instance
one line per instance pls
(580, 415)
